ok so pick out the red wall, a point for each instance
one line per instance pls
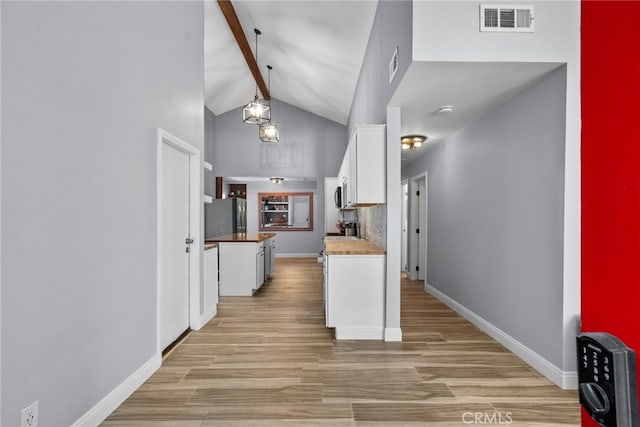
(610, 79)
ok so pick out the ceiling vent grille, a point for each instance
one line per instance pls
(506, 18)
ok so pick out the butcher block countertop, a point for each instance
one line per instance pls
(351, 247)
(208, 246)
(241, 237)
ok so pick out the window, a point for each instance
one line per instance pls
(285, 211)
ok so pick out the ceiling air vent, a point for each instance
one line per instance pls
(506, 18)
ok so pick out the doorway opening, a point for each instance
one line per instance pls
(405, 228)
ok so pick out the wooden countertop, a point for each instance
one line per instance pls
(352, 247)
(241, 237)
(208, 246)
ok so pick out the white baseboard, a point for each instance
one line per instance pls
(304, 255)
(392, 334)
(359, 333)
(104, 408)
(206, 316)
(563, 379)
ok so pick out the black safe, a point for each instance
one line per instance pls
(607, 379)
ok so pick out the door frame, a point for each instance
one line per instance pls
(195, 215)
(404, 217)
(414, 222)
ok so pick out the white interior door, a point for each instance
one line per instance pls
(174, 259)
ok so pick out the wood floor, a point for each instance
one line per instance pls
(268, 360)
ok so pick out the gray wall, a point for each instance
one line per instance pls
(495, 216)
(290, 242)
(85, 85)
(392, 27)
(310, 146)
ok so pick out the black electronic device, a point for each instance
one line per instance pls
(607, 381)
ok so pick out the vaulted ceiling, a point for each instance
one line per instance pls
(316, 49)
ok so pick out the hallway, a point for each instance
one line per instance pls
(269, 360)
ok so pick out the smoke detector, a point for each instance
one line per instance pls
(445, 109)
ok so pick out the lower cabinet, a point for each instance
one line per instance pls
(237, 278)
(354, 296)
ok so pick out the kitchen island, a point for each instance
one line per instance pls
(354, 279)
(237, 254)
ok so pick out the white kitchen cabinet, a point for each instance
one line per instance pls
(211, 281)
(366, 178)
(237, 277)
(354, 296)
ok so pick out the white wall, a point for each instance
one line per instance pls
(85, 85)
(556, 39)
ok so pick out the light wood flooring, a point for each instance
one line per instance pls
(268, 360)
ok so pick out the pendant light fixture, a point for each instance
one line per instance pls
(268, 131)
(257, 111)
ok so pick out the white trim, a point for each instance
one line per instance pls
(195, 214)
(207, 199)
(359, 333)
(563, 379)
(101, 410)
(303, 255)
(207, 316)
(392, 334)
(208, 166)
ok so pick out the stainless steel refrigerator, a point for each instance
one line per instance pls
(225, 216)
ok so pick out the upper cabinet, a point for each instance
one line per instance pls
(364, 167)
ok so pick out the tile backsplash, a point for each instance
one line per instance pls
(373, 224)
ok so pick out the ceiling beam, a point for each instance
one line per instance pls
(234, 24)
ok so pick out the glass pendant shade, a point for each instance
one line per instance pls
(256, 112)
(269, 133)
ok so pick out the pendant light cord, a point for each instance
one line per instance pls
(269, 67)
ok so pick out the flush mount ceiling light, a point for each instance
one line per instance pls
(445, 109)
(276, 180)
(268, 132)
(411, 142)
(257, 111)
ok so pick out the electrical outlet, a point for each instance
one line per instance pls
(30, 415)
